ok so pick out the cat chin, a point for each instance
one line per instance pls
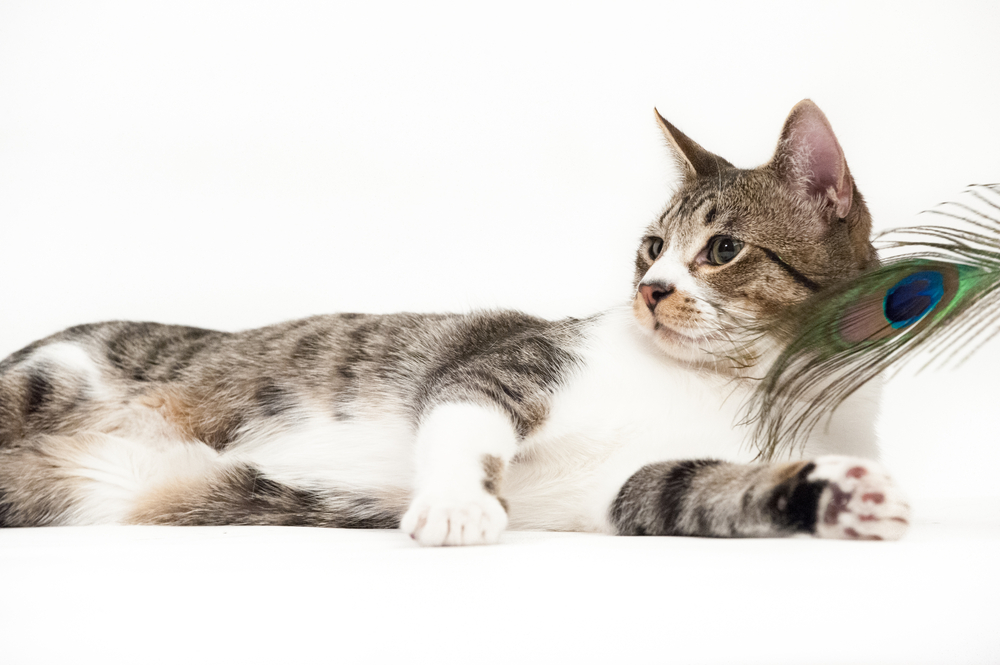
(711, 351)
(700, 349)
(679, 346)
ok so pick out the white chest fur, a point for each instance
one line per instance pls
(629, 406)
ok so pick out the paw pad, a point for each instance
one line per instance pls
(860, 501)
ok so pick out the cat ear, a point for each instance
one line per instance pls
(692, 160)
(810, 158)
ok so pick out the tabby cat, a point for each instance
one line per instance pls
(454, 427)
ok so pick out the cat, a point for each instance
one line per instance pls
(454, 427)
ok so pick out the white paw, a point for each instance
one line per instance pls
(475, 520)
(860, 500)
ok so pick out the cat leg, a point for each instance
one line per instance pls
(830, 497)
(88, 477)
(235, 493)
(462, 451)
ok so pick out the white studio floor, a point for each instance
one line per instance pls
(298, 595)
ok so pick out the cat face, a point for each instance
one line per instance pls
(734, 247)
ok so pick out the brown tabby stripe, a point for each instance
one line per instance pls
(792, 272)
(242, 496)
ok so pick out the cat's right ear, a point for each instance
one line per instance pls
(810, 158)
(692, 160)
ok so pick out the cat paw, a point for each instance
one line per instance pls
(466, 521)
(860, 501)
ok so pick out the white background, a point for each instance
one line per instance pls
(233, 164)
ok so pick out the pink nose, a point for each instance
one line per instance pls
(654, 292)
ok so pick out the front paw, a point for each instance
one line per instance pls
(859, 501)
(437, 520)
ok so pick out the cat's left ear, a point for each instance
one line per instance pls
(810, 158)
(692, 160)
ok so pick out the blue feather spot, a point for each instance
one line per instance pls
(910, 298)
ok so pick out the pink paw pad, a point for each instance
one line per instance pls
(860, 501)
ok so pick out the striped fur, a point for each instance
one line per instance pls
(832, 496)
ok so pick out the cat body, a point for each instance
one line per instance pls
(456, 426)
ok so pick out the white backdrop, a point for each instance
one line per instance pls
(232, 164)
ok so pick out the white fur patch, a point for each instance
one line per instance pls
(451, 506)
(628, 406)
(65, 354)
(72, 358)
(114, 473)
(369, 452)
(672, 269)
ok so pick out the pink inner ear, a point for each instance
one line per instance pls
(820, 154)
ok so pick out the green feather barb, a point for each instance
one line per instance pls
(936, 294)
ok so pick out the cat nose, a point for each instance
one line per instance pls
(654, 292)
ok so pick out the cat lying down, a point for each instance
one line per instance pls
(457, 426)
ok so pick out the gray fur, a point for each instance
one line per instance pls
(218, 388)
(717, 499)
(414, 361)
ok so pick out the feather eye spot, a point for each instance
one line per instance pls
(910, 298)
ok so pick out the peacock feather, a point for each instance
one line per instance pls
(936, 295)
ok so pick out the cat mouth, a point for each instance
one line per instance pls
(674, 335)
(688, 342)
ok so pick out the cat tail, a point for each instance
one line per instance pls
(936, 293)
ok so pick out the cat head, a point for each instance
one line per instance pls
(735, 247)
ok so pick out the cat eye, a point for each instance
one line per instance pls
(655, 247)
(723, 249)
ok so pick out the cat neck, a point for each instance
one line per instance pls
(616, 331)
